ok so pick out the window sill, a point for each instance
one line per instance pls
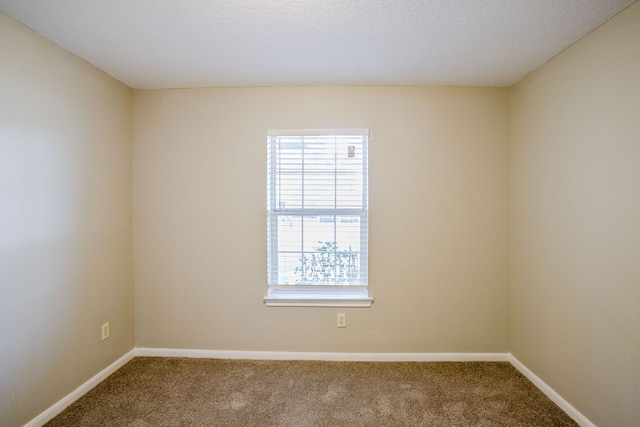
(319, 298)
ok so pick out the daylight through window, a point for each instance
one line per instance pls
(317, 210)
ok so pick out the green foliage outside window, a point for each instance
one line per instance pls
(329, 265)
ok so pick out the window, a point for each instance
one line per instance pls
(317, 221)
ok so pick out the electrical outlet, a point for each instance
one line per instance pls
(105, 331)
(342, 320)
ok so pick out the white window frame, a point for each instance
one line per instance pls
(279, 295)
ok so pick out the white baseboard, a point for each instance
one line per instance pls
(62, 404)
(286, 355)
(551, 393)
(345, 357)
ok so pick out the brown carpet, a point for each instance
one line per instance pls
(150, 391)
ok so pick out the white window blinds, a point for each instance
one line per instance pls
(317, 200)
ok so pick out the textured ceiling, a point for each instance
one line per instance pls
(200, 43)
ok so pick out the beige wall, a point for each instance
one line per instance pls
(575, 296)
(65, 222)
(438, 219)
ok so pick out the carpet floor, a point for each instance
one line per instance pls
(155, 391)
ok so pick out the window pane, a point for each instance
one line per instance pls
(317, 230)
(288, 263)
(330, 254)
(289, 233)
(348, 232)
